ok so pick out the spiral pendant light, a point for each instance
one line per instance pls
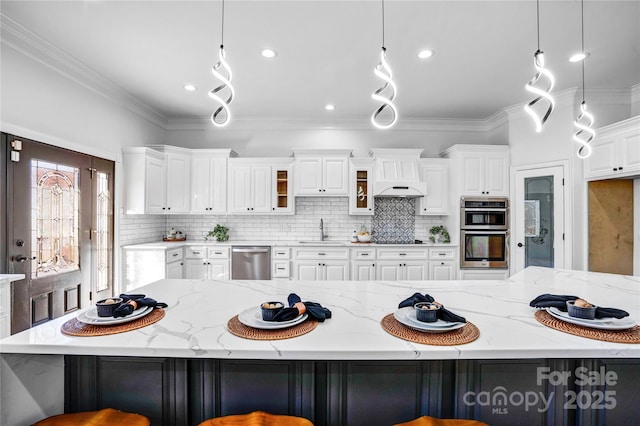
(584, 133)
(543, 94)
(387, 93)
(222, 71)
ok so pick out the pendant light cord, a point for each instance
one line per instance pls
(583, 53)
(383, 24)
(222, 27)
(538, 21)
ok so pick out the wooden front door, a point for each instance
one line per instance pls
(50, 223)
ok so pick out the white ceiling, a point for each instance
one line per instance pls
(327, 51)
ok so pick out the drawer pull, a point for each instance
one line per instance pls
(281, 253)
(364, 254)
(195, 252)
(442, 254)
(321, 254)
(217, 252)
(174, 254)
(403, 254)
(280, 269)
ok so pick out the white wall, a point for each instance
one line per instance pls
(276, 139)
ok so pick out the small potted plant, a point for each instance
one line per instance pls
(220, 233)
(439, 234)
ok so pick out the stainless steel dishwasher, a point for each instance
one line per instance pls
(250, 263)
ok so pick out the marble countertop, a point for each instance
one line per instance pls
(195, 321)
(327, 243)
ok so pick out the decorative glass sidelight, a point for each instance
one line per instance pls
(54, 218)
(102, 233)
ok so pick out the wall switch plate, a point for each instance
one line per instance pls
(15, 156)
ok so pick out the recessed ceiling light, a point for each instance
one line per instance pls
(425, 53)
(329, 107)
(189, 87)
(269, 53)
(580, 56)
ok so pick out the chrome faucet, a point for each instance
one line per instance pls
(322, 234)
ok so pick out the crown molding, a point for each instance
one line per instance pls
(30, 44)
(403, 125)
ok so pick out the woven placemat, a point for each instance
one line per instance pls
(239, 329)
(73, 327)
(630, 335)
(462, 335)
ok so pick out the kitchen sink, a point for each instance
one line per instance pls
(322, 243)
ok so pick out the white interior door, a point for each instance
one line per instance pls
(538, 218)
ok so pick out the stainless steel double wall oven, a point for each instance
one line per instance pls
(484, 232)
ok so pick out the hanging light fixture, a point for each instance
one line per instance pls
(221, 70)
(387, 93)
(584, 133)
(544, 93)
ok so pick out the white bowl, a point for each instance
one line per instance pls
(364, 238)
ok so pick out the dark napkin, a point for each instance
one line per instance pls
(141, 300)
(315, 310)
(560, 302)
(443, 313)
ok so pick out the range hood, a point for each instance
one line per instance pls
(397, 173)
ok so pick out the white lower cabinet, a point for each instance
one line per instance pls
(174, 268)
(321, 263)
(280, 262)
(363, 270)
(209, 263)
(321, 270)
(442, 270)
(411, 270)
(442, 263)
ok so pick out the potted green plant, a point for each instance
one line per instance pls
(439, 234)
(220, 233)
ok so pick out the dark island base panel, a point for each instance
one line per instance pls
(174, 391)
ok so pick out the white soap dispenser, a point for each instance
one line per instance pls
(354, 237)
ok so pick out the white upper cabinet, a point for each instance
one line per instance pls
(321, 172)
(178, 181)
(435, 172)
(156, 180)
(616, 151)
(361, 186)
(155, 194)
(209, 180)
(480, 169)
(249, 186)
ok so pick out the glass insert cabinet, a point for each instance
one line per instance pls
(360, 187)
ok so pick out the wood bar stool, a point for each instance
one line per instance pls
(432, 421)
(104, 417)
(257, 418)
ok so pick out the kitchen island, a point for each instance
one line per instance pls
(348, 370)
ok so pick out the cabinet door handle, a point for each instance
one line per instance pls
(174, 254)
(619, 168)
(615, 169)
